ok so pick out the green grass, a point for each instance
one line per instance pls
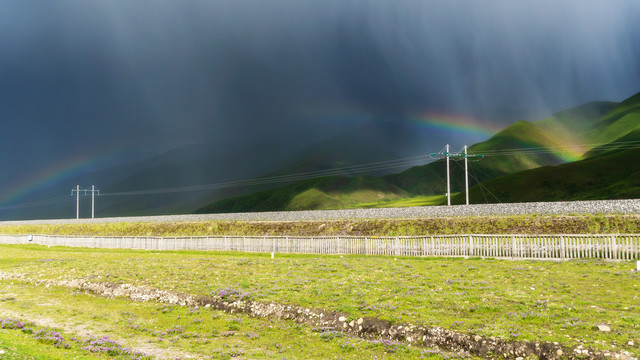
(333, 192)
(519, 300)
(412, 201)
(169, 331)
(534, 224)
(612, 175)
(18, 346)
(562, 138)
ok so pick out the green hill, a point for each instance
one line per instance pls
(629, 140)
(613, 175)
(617, 123)
(333, 192)
(527, 161)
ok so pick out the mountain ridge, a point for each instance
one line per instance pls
(565, 140)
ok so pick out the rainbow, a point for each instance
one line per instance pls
(439, 122)
(448, 123)
(50, 175)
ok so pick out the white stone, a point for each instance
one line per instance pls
(559, 353)
(477, 338)
(360, 321)
(603, 327)
(342, 318)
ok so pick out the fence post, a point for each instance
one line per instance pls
(395, 246)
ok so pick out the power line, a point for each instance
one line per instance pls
(555, 149)
(347, 170)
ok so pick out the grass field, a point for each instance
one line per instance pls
(513, 300)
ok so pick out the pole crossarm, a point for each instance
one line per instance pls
(84, 192)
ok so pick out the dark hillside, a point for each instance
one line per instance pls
(614, 175)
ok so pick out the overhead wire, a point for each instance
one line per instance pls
(346, 170)
(555, 149)
(45, 202)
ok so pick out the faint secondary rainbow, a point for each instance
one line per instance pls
(484, 130)
(443, 122)
(53, 174)
(440, 122)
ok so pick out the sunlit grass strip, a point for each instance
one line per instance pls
(539, 224)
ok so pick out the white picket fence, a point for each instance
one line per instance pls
(619, 246)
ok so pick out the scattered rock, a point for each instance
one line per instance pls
(603, 327)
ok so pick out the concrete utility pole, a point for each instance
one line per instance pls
(93, 199)
(466, 156)
(93, 193)
(446, 153)
(466, 174)
(77, 201)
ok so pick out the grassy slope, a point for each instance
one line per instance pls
(613, 175)
(586, 224)
(318, 193)
(622, 123)
(605, 172)
(630, 139)
(570, 126)
(582, 127)
(342, 192)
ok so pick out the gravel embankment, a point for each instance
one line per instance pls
(541, 208)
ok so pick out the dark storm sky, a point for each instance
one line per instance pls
(88, 77)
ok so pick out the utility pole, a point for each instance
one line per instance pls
(446, 153)
(93, 197)
(77, 201)
(466, 174)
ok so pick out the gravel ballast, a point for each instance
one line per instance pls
(606, 207)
